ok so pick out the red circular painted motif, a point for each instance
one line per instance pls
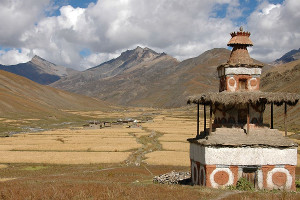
(231, 82)
(221, 177)
(253, 82)
(279, 178)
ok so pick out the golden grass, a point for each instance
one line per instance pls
(176, 146)
(66, 146)
(175, 137)
(168, 158)
(6, 179)
(72, 147)
(62, 157)
(2, 166)
(106, 145)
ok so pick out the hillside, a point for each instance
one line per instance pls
(39, 70)
(136, 59)
(284, 78)
(20, 96)
(142, 77)
(289, 57)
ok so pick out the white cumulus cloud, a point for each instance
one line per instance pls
(275, 29)
(181, 28)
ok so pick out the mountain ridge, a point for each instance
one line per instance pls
(142, 77)
(288, 57)
(39, 70)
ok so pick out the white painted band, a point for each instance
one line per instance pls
(260, 179)
(242, 70)
(242, 155)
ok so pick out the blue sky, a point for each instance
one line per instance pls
(81, 34)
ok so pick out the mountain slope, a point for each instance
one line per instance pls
(284, 78)
(21, 96)
(289, 57)
(39, 70)
(128, 61)
(142, 77)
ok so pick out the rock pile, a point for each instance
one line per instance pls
(173, 178)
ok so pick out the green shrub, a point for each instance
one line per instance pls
(297, 183)
(244, 184)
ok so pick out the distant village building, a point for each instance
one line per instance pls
(237, 144)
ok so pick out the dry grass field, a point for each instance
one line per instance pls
(111, 163)
(64, 146)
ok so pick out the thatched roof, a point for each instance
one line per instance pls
(242, 97)
(236, 137)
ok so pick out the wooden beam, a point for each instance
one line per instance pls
(204, 119)
(272, 116)
(248, 118)
(197, 120)
(285, 116)
(210, 119)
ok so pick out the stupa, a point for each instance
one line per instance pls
(237, 143)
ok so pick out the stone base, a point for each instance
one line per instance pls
(263, 177)
(266, 167)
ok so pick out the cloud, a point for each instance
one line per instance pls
(17, 16)
(275, 29)
(97, 58)
(181, 28)
(15, 56)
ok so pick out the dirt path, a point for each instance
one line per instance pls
(149, 144)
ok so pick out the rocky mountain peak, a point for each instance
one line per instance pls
(139, 54)
(41, 62)
(289, 57)
(138, 49)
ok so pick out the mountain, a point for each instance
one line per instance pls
(39, 70)
(284, 78)
(128, 61)
(21, 96)
(142, 77)
(289, 57)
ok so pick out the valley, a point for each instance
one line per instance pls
(70, 163)
(45, 146)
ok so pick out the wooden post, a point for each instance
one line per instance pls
(248, 118)
(197, 120)
(204, 119)
(285, 126)
(272, 116)
(210, 119)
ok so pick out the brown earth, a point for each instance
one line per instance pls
(283, 78)
(25, 104)
(19, 95)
